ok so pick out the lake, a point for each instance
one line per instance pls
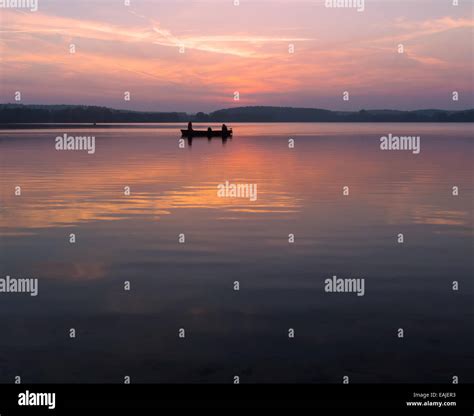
(146, 215)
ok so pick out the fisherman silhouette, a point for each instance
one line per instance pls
(224, 129)
(190, 126)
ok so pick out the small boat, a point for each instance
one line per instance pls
(206, 133)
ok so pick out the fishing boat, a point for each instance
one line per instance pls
(206, 133)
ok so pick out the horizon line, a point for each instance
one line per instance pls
(243, 106)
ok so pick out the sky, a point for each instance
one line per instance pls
(195, 55)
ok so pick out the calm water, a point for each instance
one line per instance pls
(135, 238)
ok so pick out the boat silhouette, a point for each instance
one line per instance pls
(206, 133)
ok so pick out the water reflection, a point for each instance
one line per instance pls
(223, 139)
(173, 190)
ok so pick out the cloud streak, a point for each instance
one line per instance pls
(238, 53)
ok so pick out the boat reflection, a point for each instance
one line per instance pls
(224, 139)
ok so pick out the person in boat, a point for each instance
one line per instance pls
(224, 129)
(209, 130)
(190, 126)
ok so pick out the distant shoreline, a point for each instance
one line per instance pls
(15, 116)
(150, 125)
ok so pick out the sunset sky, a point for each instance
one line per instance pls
(241, 48)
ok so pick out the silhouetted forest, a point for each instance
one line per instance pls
(18, 113)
